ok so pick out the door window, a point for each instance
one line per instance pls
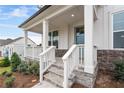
(53, 38)
(79, 35)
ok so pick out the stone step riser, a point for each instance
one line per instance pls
(50, 81)
(54, 79)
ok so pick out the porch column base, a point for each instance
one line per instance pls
(89, 69)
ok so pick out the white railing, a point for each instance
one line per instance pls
(71, 60)
(81, 55)
(47, 58)
(33, 51)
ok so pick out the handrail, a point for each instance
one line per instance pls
(69, 52)
(44, 52)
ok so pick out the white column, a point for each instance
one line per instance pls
(42, 41)
(88, 49)
(25, 42)
(45, 35)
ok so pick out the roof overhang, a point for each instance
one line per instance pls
(34, 15)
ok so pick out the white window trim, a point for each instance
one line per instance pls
(111, 28)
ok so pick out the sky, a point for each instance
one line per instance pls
(11, 16)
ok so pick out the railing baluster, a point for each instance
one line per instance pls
(46, 59)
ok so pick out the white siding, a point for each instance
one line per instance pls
(63, 36)
(102, 30)
(66, 34)
(72, 32)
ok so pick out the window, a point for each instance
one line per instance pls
(118, 30)
(79, 35)
(53, 38)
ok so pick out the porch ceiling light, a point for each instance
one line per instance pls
(72, 15)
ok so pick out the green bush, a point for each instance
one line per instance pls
(28, 68)
(23, 68)
(15, 61)
(9, 82)
(5, 62)
(3, 73)
(8, 74)
(119, 70)
(34, 68)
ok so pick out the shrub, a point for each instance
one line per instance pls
(15, 61)
(6, 74)
(9, 82)
(5, 62)
(3, 73)
(23, 68)
(34, 68)
(119, 70)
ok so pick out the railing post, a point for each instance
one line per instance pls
(41, 69)
(54, 54)
(65, 83)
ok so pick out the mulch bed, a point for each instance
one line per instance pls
(76, 85)
(21, 81)
(105, 79)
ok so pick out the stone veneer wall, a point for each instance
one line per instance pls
(105, 58)
(60, 52)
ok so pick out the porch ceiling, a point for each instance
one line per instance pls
(70, 16)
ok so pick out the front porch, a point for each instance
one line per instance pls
(66, 28)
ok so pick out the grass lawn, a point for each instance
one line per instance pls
(2, 69)
(1, 58)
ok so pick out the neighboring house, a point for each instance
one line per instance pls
(4, 42)
(82, 34)
(10, 46)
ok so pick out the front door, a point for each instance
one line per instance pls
(79, 35)
(79, 40)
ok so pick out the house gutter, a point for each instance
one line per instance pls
(34, 15)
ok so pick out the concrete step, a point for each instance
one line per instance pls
(56, 79)
(59, 65)
(56, 70)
